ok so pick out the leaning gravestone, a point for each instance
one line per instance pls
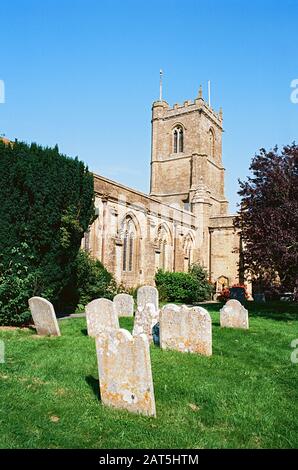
(234, 315)
(147, 295)
(100, 314)
(124, 305)
(125, 375)
(44, 317)
(186, 329)
(145, 319)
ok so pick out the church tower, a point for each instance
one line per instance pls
(186, 156)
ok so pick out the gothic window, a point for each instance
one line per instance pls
(164, 244)
(163, 255)
(178, 140)
(211, 143)
(129, 235)
(124, 257)
(175, 141)
(188, 252)
(131, 250)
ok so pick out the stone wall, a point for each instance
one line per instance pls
(184, 220)
(164, 236)
(161, 233)
(176, 174)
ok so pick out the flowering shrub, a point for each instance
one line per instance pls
(224, 295)
(227, 292)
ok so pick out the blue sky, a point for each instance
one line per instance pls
(84, 73)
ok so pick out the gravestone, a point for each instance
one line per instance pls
(44, 316)
(124, 305)
(125, 375)
(147, 295)
(145, 319)
(234, 315)
(100, 314)
(156, 335)
(186, 329)
(259, 297)
(238, 293)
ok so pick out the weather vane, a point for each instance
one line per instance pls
(160, 84)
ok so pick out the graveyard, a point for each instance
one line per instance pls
(244, 395)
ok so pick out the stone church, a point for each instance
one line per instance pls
(185, 217)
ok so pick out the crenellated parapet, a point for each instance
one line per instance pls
(162, 110)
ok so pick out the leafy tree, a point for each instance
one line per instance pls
(46, 202)
(268, 217)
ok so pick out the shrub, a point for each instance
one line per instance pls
(182, 287)
(206, 287)
(92, 280)
(224, 295)
(226, 292)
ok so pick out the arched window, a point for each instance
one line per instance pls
(175, 143)
(188, 252)
(129, 235)
(164, 248)
(163, 260)
(178, 140)
(211, 143)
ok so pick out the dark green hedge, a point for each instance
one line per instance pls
(46, 205)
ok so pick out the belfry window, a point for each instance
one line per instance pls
(178, 140)
(211, 143)
(175, 149)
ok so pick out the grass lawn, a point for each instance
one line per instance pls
(244, 396)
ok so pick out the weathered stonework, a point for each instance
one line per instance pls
(145, 318)
(234, 315)
(125, 375)
(186, 329)
(44, 316)
(124, 305)
(100, 314)
(147, 295)
(184, 219)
